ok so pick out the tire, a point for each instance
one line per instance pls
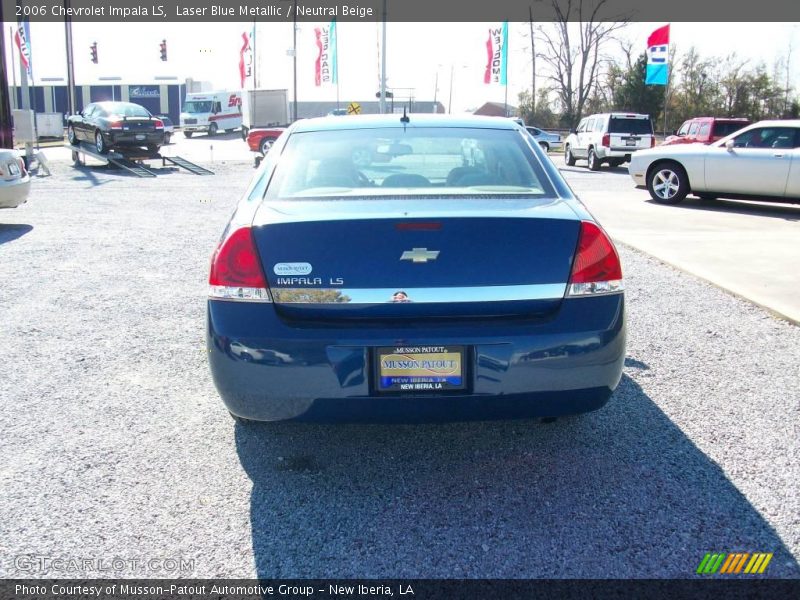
(212, 130)
(592, 161)
(153, 149)
(99, 143)
(667, 183)
(241, 420)
(71, 137)
(569, 159)
(545, 146)
(244, 134)
(266, 144)
(167, 138)
(187, 134)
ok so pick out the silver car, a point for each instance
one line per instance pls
(548, 141)
(15, 183)
(761, 161)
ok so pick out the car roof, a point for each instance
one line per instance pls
(393, 120)
(737, 119)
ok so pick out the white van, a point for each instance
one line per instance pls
(609, 138)
(211, 112)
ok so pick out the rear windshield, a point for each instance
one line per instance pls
(637, 126)
(410, 161)
(722, 128)
(125, 110)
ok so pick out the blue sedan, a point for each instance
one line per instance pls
(457, 279)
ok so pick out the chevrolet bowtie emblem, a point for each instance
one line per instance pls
(420, 255)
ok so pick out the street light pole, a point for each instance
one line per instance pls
(450, 101)
(383, 63)
(294, 57)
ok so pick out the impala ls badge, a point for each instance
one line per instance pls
(419, 255)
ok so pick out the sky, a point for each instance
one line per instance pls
(418, 55)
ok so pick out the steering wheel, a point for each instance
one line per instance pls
(363, 179)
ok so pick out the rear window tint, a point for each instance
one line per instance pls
(637, 126)
(721, 129)
(412, 161)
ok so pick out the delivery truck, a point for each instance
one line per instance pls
(211, 112)
(264, 108)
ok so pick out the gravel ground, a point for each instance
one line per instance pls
(115, 445)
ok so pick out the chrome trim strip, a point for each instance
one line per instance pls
(490, 293)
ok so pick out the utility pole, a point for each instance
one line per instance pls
(383, 62)
(533, 62)
(294, 57)
(70, 61)
(6, 137)
(450, 101)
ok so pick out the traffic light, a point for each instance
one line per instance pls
(93, 48)
(163, 45)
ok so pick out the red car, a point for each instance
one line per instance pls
(261, 140)
(705, 130)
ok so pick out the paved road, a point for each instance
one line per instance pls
(115, 445)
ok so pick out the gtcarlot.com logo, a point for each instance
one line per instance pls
(36, 563)
(734, 563)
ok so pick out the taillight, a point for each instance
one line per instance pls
(115, 125)
(652, 141)
(596, 268)
(159, 124)
(606, 141)
(236, 270)
(21, 163)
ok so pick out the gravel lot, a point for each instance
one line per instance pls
(115, 444)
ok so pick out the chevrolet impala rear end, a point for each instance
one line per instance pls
(458, 279)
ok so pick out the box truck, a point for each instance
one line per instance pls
(211, 112)
(264, 108)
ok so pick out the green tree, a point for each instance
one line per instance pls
(632, 94)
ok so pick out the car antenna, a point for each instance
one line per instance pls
(404, 118)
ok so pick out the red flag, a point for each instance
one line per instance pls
(318, 63)
(242, 67)
(660, 37)
(487, 74)
(23, 51)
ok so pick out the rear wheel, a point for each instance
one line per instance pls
(212, 129)
(266, 144)
(99, 143)
(71, 137)
(167, 138)
(152, 149)
(187, 134)
(667, 183)
(594, 162)
(568, 157)
(244, 133)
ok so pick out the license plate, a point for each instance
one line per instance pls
(13, 169)
(420, 369)
(630, 142)
(140, 136)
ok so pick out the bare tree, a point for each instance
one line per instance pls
(576, 64)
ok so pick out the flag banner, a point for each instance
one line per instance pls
(325, 72)
(23, 40)
(245, 60)
(658, 57)
(497, 55)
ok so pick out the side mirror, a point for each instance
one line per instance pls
(729, 145)
(675, 132)
(573, 131)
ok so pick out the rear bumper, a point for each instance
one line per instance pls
(130, 139)
(623, 153)
(14, 192)
(266, 369)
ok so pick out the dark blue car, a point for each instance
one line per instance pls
(458, 279)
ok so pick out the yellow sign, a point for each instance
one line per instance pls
(354, 108)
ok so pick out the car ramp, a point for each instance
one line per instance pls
(132, 160)
(185, 164)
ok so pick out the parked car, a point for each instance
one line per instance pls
(548, 141)
(15, 182)
(169, 128)
(426, 287)
(761, 161)
(116, 125)
(338, 112)
(610, 138)
(705, 130)
(261, 139)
